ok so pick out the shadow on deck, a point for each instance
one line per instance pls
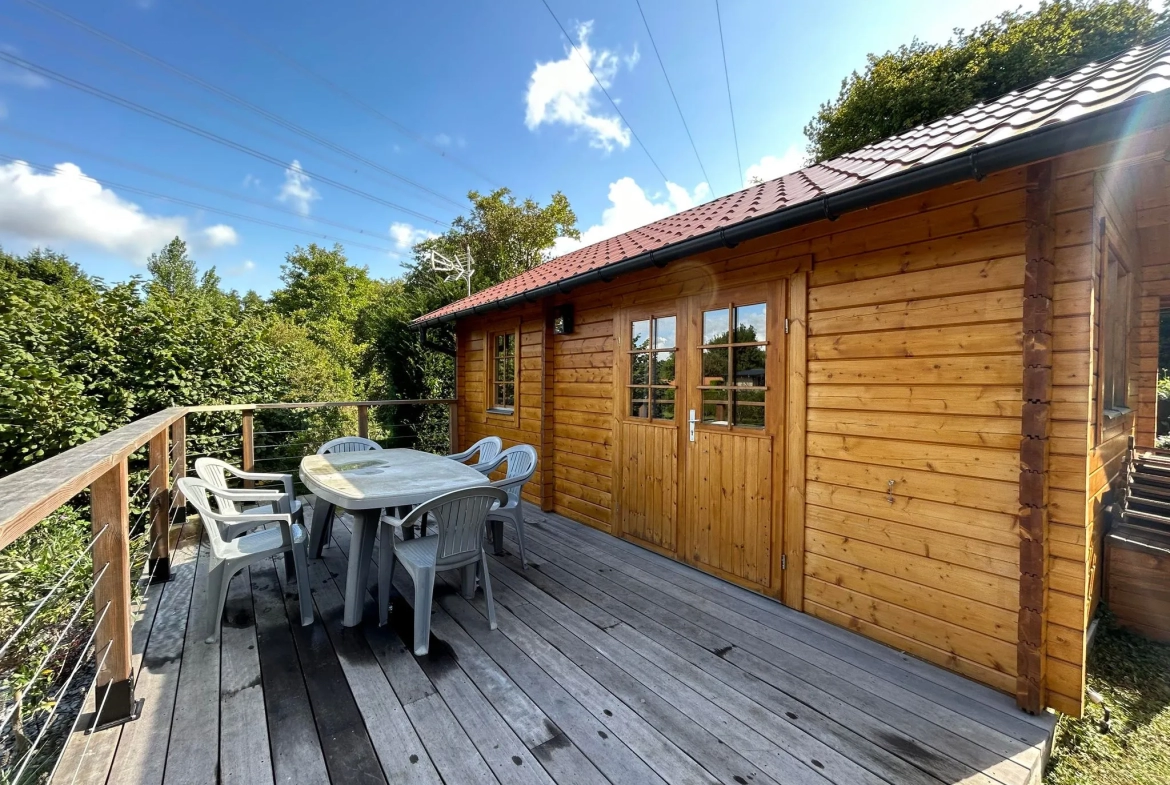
(611, 664)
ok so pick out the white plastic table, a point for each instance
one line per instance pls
(366, 482)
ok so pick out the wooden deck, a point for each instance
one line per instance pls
(611, 664)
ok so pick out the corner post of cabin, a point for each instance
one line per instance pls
(249, 445)
(548, 409)
(179, 457)
(110, 514)
(160, 508)
(363, 421)
(1039, 286)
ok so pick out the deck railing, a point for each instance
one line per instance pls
(127, 475)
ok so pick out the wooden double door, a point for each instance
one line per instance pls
(699, 408)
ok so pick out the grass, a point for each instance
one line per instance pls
(1133, 675)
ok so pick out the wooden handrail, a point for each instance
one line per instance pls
(239, 407)
(30, 494)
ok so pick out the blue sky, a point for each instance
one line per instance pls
(456, 96)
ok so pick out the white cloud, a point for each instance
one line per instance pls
(770, 167)
(631, 207)
(245, 266)
(298, 190)
(67, 207)
(220, 235)
(563, 91)
(406, 236)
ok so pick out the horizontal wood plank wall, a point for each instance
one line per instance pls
(914, 375)
(525, 425)
(1138, 589)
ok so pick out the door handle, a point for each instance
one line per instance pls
(691, 424)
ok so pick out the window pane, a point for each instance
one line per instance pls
(509, 395)
(640, 335)
(501, 371)
(663, 368)
(663, 394)
(510, 343)
(749, 409)
(639, 402)
(751, 323)
(714, 367)
(664, 411)
(749, 366)
(715, 326)
(501, 395)
(639, 369)
(509, 369)
(715, 406)
(500, 344)
(664, 333)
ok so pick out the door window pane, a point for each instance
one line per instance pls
(751, 323)
(639, 402)
(663, 368)
(749, 365)
(715, 327)
(715, 407)
(749, 408)
(640, 334)
(639, 368)
(714, 367)
(664, 333)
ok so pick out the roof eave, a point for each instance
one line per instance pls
(1132, 116)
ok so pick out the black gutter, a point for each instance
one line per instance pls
(1045, 142)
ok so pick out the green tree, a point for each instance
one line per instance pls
(172, 271)
(921, 82)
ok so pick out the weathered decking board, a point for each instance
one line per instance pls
(610, 664)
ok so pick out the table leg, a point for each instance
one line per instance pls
(361, 549)
(322, 514)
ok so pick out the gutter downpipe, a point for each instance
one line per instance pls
(976, 163)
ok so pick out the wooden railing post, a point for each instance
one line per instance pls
(179, 466)
(160, 508)
(110, 510)
(364, 421)
(249, 446)
(453, 426)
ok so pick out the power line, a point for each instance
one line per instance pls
(603, 90)
(197, 205)
(206, 106)
(271, 116)
(730, 106)
(177, 123)
(338, 89)
(184, 181)
(654, 46)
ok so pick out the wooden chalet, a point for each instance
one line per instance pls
(893, 390)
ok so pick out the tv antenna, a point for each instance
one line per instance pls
(454, 269)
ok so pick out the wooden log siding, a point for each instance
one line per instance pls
(913, 322)
(1039, 285)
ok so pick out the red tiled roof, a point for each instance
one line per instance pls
(1088, 90)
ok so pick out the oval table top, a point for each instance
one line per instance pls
(385, 478)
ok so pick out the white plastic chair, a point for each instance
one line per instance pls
(521, 464)
(229, 556)
(215, 472)
(487, 448)
(322, 528)
(461, 517)
(348, 444)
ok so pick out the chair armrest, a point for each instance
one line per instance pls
(509, 483)
(248, 494)
(490, 466)
(460, 456)
(264, 477)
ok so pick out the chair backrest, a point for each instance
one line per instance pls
(214, 472)
(521, 463)
(461, 517)
(348, 444)
(488, 448)
(198, 494)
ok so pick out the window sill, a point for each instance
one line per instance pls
(1112, 414)
(501, 412)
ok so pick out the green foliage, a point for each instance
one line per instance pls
(921, 82)
(1133, 675)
